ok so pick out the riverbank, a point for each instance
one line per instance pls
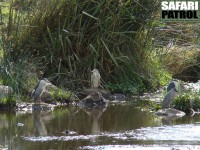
(128, 50)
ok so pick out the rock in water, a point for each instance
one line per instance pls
(169, 112)
(89, 91)
(117, 97)
(5, 90)
(93, 100)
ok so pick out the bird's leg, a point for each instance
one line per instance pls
(93, 89)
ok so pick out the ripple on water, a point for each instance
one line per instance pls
(58, 138)
(139, 147)
(179, 134)
(188, 132)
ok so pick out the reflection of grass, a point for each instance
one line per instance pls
(9, 128)
(59, 112)
(153, 106)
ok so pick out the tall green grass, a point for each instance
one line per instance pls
(75, 36)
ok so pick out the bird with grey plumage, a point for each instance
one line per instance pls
(40, 88)
(173, 84)
(95, 79)
(174, 89)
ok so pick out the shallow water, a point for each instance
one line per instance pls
(119, 126)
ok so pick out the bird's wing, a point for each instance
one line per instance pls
(92, 78)
(33, 95)
(37, 86)
(171, 95)
(99, 79)
(38, 92)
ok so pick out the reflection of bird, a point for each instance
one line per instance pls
(95, 79)
(40, 88)
(174, 89)
(40, 124)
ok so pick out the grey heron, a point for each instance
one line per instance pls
(40, 88)
(95, 79)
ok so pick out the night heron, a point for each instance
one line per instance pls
(95, 79)
(174, 89)
(171, 95)
(173, 84)
(40, 88)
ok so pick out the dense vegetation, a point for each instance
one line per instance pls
(65, 39)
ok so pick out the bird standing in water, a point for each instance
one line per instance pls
(95, 79)
(40, 88)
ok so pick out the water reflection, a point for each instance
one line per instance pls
(95, 114)
(39, 124)
(168, 120)
(114, 125)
